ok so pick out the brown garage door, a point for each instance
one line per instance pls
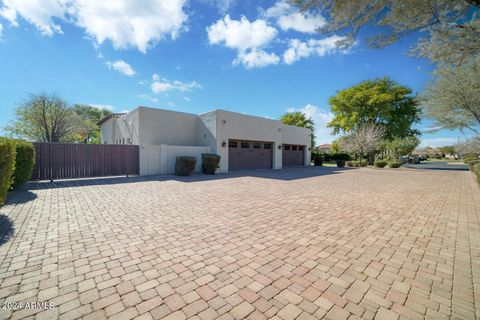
(247, 155)
(293, 155)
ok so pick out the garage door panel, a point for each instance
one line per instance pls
(247, 155)
(293, 155)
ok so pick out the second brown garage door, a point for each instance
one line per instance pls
(293, 155)
(247, 155)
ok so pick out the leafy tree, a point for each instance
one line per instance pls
(299, 119)
(469, 146)
(447, 149)
(366, 140)
(45, 118)
(401, 147)
(451, 27)
(381, 102)
(453, 100)
(90, 132)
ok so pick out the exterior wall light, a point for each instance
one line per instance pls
(224, 121)
(279, 147)
(224, 144)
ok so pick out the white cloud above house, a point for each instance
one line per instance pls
(147, 97)
(288, 17)
(248, 38)
(162, 85)
(320, 118)
(437, 142)
(123, 22)
(256, 58)
(297, 49)
(121, 67)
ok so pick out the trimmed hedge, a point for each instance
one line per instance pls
(184, 166)
(394, 164)
(24, 162)
(340, 156)
(472, 163)
(476, 169)
(380, 163)
(7, 166)
(210, 162)
(318, 160)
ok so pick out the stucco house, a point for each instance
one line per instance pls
(243, 141)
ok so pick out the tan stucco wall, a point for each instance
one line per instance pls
(160, 159)
(297, 135)
(167, 127)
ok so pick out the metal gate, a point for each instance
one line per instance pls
(72, 160)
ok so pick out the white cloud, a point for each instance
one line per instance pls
(222, 5)
(147, 97)
(102, 106)
(126, 23)
(160, 85)
(320, 118)
(241, 34)
(289, 18)
(298, 49)
(256, 58)
(247, 38)
(187, 99)
(1, 29)
(122, 67)
(438, 142)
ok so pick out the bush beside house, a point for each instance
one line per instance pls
(184, 166)
(210, 162)
(24, 162)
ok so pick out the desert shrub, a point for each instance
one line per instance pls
(380, 163)
(326, 156)
(350, 163)
(472, 163)
(184, 166)
(7, 166)
(476, 170)
(469, 157)
(340, 156)
(362, 163)
(318, 160)
(394, 164)
(210, 162)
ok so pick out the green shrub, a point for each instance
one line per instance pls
(326, 156)
(318, 160)
(472, 163)
(362, 163)
(350, 163)
(210, 162)
(340, 163)
(470, 157)
(340, 156)
(184, 166)
(394, 164)
(24, 162)
(7, 166)
(476, 170)
(380, 163)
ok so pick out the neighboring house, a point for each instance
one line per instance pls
(243, 141)
(324, 148)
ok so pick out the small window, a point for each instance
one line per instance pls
(286, 147)
(129, 141)
(245, 145)
(257, 145)
(267, 146)
(301, 148)
(294, 148)
(232, 144)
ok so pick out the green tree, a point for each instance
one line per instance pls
(45, 118)
(401, 147)
(450, 28)
(90, 132)
(382, 102)
(453, 99)
(299, 119)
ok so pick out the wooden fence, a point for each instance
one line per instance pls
(71, 160)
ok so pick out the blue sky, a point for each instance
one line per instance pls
(256, 57)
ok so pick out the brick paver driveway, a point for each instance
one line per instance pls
(300, 243)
